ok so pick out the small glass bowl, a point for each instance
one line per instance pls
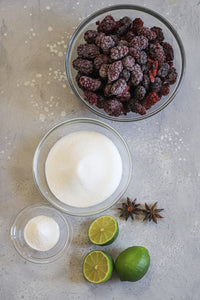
(68, 127)
(30, 254)
(150, 19)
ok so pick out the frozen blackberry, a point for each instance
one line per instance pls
(157, 53)
(89, 83)
(107, 25)
(129, 36)
(124, 97)
(123, 43)
(150, 100)
(118, 52)
(88, 51)
(123, 26)
(139, 93)
(145, 69)
(148, 33)
(90, 36)
(114, 70)
(171, 76)
(134, 52)
(90, 97)
(156, 85)
(100, 101)
(163, 70)
(78, 76)
(113, 107)
(145, 82)
(128, 63)
(136, 75)
(136, 106)
(115, 38)
(169, 52)
(100, 60)
(118, 87)
(165, 89)
(137, 23)
(98, 39)
(83, 65)
(125, 74)
(103, 71)
(142, 59)
(107, 90)
(139, 42)
(159, 34)
(107, 43)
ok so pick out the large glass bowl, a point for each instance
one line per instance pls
(68, 127)
(150, 19)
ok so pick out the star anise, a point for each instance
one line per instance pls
(129, 209)
(152, 213)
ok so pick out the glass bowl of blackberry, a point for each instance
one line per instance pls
(125, 62)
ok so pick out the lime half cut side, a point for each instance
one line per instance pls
(103, 230)
(98, 266)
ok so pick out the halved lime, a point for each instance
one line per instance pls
(98, 266)
(132, 263)
(103, 230)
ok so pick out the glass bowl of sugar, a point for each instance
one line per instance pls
(40, 233)
(82, 166)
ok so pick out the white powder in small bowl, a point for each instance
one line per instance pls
(42, 233)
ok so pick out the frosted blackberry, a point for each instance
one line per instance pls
(107, 43)
(163, 70)
(157, 53)
(114, 70)
(88, 51)
(169, 52)
(103, 71)
(125, 74)
(136, 75)
(90, 97)
(139, 93)
(90, 36)
(156, 85)
(159, 34)
(118, 87)
(113, 107)
(118, 52)
(89, 83)
(128, 63)
(83, 65)
(148, 33)
(107, 25)
(171, 76)
(142, 59)
(139, 42)
(100, 60)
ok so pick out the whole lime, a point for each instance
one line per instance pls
(132, 263)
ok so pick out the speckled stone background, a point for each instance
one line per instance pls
(165, 150)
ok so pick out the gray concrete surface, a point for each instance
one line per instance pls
(165, 151)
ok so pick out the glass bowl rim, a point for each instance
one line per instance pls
(54, 257)
(131, 7)
(90, 209)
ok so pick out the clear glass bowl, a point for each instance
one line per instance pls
(30, 254)
(150, 19)
(58, 132)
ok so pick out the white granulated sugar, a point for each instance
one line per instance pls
(48, 82)
(42, 233)
(64, 86)
(48, 7)
(30, 14)
(2, 152)
(31, 29)
(50, 69)
(26, 83)
(50, 29)
(33, 34)
(5, 34)
(46, 109)
(26, 42)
